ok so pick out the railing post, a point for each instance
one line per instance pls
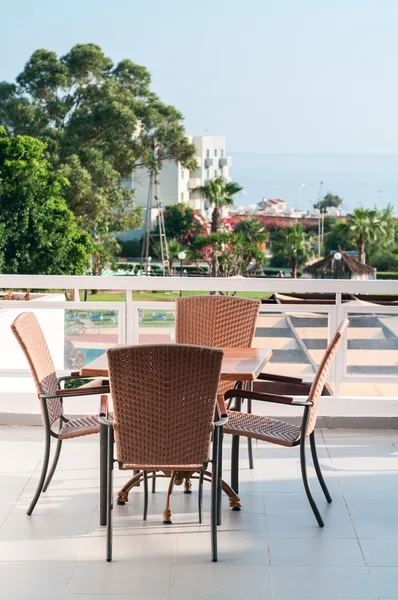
(341, 351)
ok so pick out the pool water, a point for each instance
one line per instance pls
(91, 353)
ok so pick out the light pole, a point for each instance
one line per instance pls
(182, 256)
(148, 269)
(302, 185)
(337, 258)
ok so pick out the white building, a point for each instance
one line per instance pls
(276, 207)
(177, 184)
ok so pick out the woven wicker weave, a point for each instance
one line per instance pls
(164, 400)
(216, 321)
(322, 373)
(262, 428)
(79, 427)
(29, 334)
(279, 432)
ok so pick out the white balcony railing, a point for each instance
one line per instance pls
(194, 182)
(366, 365)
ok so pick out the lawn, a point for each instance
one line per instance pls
(111, 296)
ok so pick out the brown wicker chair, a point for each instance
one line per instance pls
(29, 334)
(164, 400)
(218, 322)
(286, 434)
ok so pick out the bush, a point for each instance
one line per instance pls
(130, 248)
(386, 275)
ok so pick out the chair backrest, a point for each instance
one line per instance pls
(29, 334)
(216, 321)
(322, 373)
(164, 399)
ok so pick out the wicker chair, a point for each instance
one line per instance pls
(164, 400)
(218, 322)
(29, 334)
(286, 434)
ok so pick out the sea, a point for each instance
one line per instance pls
(360, 179)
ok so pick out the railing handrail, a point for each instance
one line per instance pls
(205, 284)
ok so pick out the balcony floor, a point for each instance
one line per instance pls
(272, 549)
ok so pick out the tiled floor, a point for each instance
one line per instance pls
(272, 549)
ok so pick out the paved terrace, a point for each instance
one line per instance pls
(272, 549)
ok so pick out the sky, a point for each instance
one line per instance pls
(273, 76)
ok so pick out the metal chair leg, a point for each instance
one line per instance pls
(306, 484)
(43, 474)
(219, 484)
(200, 495)
(145, 495)
(235, 464)
(214, 496)
(103, 471)
(53, 466)
(318, 468)
(109, 499)
(249, 440)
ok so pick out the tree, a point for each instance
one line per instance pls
(182, 223)
(363, 229)
(329, 200)
(38, 233)
(219, 192)
(100, 121)
(226, 253)
(253, 230)
(292, 247)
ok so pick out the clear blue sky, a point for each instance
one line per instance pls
(288, 76)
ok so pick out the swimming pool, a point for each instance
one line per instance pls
(91, 353)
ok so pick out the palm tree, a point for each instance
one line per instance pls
(219, 192)
(367, 226)
(292, 246)
(253, 230)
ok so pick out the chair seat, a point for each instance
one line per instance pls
(167, 468)
(79, 427)
(262, 428)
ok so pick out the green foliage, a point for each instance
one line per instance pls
(130, 248)
(384, 258)
(38, 233)
(291, 247)
(99, 121)
(226, 253)
(253, 230)
(381, 275)
(363, 230)
(329, 200)
(219, 192)
(182, 223)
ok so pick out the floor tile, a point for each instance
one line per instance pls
(234, 547)
(338, 524)
(218, 580)
(46, 523)
(322, 582)
(385, 580)
(380, 553)
(122, 576)
(298, 501)
(35, 581)
(316, 552)
(376, 525)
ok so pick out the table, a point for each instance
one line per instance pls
(239, 364)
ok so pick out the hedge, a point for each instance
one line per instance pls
(386, 275)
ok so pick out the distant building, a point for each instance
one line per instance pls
(278, 208)
(177, 184)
